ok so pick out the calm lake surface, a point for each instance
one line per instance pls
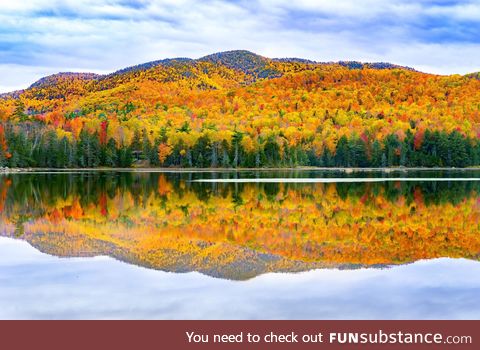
(290, 244)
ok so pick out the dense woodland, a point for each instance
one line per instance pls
(437, 149)
(238, 109)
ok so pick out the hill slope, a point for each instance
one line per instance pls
(237, 108)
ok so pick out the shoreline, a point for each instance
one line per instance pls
(206, 170)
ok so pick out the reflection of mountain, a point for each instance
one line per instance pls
(222, 260)
(237, 231)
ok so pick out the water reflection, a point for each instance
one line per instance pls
(39, 286)
(235, 230)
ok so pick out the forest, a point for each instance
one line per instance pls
(437, 149)
(238, 109)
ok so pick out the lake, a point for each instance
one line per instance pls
(283, 244)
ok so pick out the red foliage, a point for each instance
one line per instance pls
(103, 132)
(418, 139)
(364, 137)
(3, 143)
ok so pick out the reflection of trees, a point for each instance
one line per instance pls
(19, 225)
(271, 190)
(31, 194)
(157, 216)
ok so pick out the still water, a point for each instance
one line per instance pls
(252, 245)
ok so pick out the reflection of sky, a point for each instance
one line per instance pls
(35, 285)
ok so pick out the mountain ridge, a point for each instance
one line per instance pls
(241, 60)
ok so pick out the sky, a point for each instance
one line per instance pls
(42, 37)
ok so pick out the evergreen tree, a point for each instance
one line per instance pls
(124, 156)
(391, 146)
(147, 149)
(376, 157)
(272, 152)
(236, 140)
(342, 153)
(225, 157)
(111, 154)
(459, 150)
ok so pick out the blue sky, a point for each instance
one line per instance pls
(41, 37)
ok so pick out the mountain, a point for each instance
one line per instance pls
(237, 108)
(63, 78)
(251, 64)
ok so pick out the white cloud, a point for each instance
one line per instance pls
(40, 36)
(465, 11)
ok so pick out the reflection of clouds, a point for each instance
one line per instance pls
(35, 285)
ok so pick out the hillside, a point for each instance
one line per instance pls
(237, 108)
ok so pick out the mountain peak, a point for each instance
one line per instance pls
(243, 60)
(231, 54)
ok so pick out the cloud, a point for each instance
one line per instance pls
(40, 36)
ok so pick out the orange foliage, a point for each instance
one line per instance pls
(309, 105)
(164, 150)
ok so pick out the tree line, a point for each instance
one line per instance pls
(33, 146)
